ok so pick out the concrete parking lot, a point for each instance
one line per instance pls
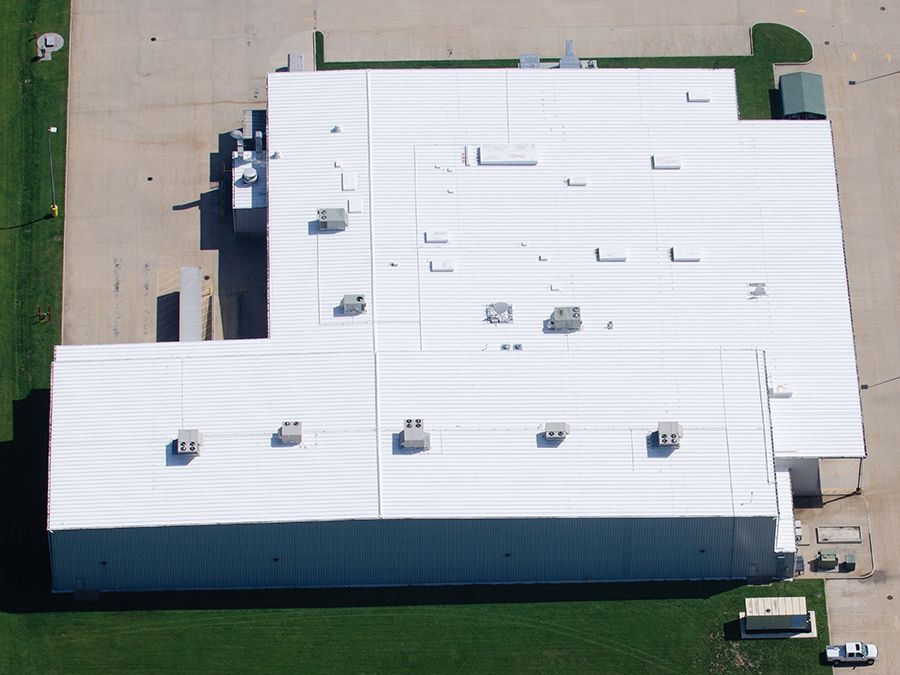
(155, 85)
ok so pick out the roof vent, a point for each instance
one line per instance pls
(781, 391)
(529, 61)
(249, 176)
(665, 162)
(499, 312)
(188, 442)
(570, 60)
(509, 154)
(565, 319)
(698, 96)
(556, 431)
(413, 436)
(612, 254)
(353, 304)
(685, 254)
(291, 432)
(669, 433)
(333, 220)
(442, 265)
(437, 236)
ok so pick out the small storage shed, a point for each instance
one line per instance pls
(802, 96)
(776, 614)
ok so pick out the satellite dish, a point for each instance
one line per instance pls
(237, 134)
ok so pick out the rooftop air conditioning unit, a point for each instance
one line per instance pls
(353, 304)
(669, 433)
(333, 220)
(499, 312)
(291, 432)
(413, 436)
(556, 431)
(188, 442)
(565, 319)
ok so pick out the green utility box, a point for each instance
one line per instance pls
(850, 562)
(828, 560)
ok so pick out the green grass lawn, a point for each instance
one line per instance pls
(640, 628)
(32, 98)
(772, 43)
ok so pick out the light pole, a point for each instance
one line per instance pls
(54, 208)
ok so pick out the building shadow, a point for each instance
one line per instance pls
(167, 307)
(732, 630)
(297, 598)
(25, 563)
(775, 107)
(242, 272)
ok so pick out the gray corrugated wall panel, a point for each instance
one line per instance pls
(250, 222)
(412, 552)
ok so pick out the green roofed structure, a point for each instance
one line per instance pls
(802, 96)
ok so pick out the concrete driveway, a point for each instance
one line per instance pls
(154, 85)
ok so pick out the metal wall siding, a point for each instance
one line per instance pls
(252, 222)
(804, 474)
(410, 552)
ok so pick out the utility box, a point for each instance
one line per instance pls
(333, 220)
(556, 431)
(776, 614)
(850, 562)
(291, 432)
(413, 436)
(565, 319)
(353, 304)
(828, 560)
(802, 96)
(188, 442)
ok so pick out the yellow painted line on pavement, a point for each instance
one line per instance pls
(889, 57)
(853, 56)
(800, 10)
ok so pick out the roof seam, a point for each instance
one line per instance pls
(374, 304)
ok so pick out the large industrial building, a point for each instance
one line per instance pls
(524, 326)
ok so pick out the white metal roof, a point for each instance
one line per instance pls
(246, 195)
(785, 536)
(756, 202)
(112, 464)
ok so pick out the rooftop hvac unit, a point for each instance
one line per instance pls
(188, 442)
(565, 319)
(556, 431)
(413, 436)
(499, 312)
(669, 433)
(291, 432)
(333, 220)
(353, 304)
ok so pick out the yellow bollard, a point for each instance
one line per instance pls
(54, 211)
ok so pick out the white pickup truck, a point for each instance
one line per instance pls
(851, 652)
